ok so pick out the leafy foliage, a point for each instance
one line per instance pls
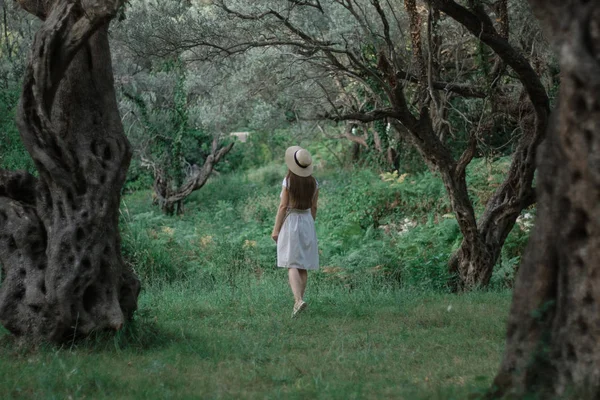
(390, 230)
(261, 148)
(13, 155)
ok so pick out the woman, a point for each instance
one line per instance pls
(294, 230)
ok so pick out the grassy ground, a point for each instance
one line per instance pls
(214, 316)
(239, 342)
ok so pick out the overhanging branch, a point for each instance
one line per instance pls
(485, 31)
(365, 117)
(460, 89)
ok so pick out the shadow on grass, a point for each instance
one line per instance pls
(138, 335)
(141, 334)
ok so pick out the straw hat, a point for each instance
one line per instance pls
(299, 161)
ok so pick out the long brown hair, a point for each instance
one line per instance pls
(302, 190)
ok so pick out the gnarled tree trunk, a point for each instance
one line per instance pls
(171, 200)
(552, 346)
(474, 261)
(60, 247)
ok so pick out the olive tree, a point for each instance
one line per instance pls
(60, 247)
(168, 136)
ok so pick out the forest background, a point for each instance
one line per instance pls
(417, 127)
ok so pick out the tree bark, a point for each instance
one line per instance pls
(60, 246)
(552, 348)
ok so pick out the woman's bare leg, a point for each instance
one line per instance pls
(304, 277)
(296, 283)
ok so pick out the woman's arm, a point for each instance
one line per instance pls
(283, 205)
(313, 209)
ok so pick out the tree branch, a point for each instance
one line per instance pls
(460, 89)
(466, 156)
(386, 25)
(369, 116)
(285, 21)
(199, 175)
(488, 35)
(316, 5)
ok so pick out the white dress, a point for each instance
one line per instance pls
(297, 242)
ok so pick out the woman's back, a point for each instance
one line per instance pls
(301, 190)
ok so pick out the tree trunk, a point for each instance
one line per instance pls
(552, 346)
(474, 261)
(60, 246)
(474, 266)
(171, 201)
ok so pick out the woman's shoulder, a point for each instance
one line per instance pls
(284, 183)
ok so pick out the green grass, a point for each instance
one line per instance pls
(240, 342)
(214, 315)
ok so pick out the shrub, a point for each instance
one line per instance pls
(424, 252)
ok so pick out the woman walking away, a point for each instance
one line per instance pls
(294, 230)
